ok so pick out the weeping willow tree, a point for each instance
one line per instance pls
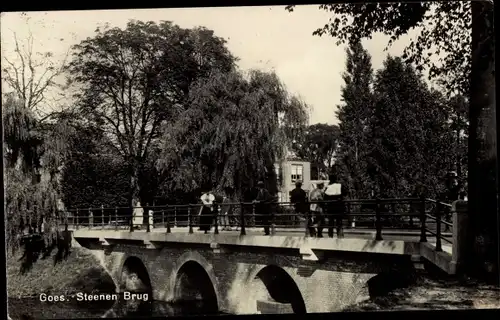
(232, 133)
(33, 152)
(34, 135)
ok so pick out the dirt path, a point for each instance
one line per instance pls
(431, 294)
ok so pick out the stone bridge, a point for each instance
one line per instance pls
(250, 274)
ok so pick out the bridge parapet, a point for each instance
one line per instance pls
(377, 214)
(289, 226)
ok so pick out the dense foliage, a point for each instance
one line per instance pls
(461, 34)
(232, 132)
(396, 134)
(409, 133)
(318, 144)
(32, 151)
(93, 176)
(354, 115)
(133, 80)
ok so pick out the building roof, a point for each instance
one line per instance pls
(294, 158)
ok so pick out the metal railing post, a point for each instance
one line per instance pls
(217, 215)
(350, 216)
(242, 220)
(148, 224)
(308, 220)
(272, 219)
(253, 215)
(378, 222)
(132, 220)
(102, 216)
(168, 219)
(163, 218)
(110, 218)
(90, 219)
(190, 219)
(116, 218)
(439, 208)
(175, 216)
(411, 213)
(423, 218)
(76, 224)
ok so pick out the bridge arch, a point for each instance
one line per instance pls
(279, 286)
(134, 276)
(193, 278)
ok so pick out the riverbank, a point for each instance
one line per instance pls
(432, 294)
(80, 271)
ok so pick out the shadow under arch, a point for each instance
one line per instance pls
(193, 284)
(385, 282)
(134, 276)
(282, 288)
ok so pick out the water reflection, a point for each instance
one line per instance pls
(34, 309)
(134, 309)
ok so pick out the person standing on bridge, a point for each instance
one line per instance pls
(263, 207)
(316, 219)
(207, 210)
(334, 193)
(137, 216)
(298, 197)
(227, 210)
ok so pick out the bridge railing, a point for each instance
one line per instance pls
(378, 214)
(440, 214)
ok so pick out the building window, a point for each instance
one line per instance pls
(277, 172)
(297, 170)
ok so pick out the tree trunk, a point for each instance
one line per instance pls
(458, 151)
(482, 153)
(134, 183)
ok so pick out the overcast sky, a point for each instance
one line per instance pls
(268, 38)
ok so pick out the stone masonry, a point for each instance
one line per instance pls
(337, 279)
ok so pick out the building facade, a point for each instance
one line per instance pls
(289, 172)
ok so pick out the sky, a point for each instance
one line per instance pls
(266, 38)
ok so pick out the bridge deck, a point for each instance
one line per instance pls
(394, 241)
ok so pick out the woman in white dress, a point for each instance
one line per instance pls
(207, 210)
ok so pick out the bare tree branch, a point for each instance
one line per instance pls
(31, 79)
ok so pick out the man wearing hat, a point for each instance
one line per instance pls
(263, 207)
(298, 198)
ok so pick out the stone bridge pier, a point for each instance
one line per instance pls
(242, 279)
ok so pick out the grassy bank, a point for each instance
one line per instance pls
(80, 271)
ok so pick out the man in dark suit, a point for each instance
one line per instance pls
(263, 207)
(298, 197)
(335, 194)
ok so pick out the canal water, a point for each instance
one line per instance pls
(33, 308)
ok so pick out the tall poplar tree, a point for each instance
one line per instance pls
(354, 114)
